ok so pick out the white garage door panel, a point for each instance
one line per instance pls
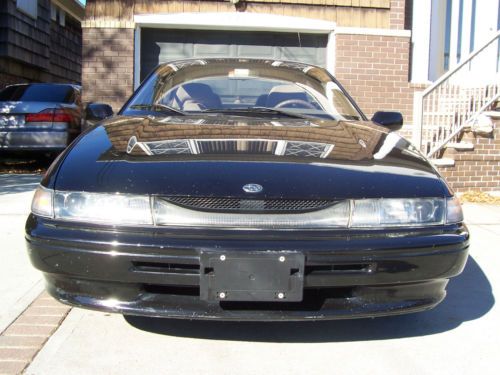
(208, 50)
(163, 45)
(255, 51)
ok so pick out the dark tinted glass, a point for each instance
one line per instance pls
(38, 93)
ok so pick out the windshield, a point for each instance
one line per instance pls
(245, 90)
(38, 93)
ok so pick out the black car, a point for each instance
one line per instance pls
(39, 116)
(246, 190)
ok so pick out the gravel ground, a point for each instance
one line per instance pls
(20, 164)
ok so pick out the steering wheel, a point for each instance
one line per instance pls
(294, 103)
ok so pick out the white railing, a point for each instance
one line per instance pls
(455, 100)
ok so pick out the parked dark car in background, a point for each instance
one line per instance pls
(39, 116)
(246, 190)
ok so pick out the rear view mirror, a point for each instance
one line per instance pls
(392, 120)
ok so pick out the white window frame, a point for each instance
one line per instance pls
(28, 7)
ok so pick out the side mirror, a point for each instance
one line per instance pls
(392, 120)
(95, 112)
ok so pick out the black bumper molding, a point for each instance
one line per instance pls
(153, 274)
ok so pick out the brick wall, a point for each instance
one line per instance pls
(374, 69)
(477, 169)
(108, 65)
(397, 14)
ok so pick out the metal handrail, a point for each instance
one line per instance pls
(451, 72)
(466, 123)
(444, 109)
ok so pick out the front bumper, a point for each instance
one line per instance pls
(156, 272)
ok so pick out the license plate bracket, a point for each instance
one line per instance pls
(252, 276)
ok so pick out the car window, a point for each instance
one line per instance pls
(221, 92)
(237, 89)
(38, 93)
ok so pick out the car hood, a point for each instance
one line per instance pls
(216, 156)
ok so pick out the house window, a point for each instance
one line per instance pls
(172, 147)
(53, 12)
(30, 7)
(498, 48)
(460, 24)
(62, 17)
(447, 36)
(307, 149)
(58, 15)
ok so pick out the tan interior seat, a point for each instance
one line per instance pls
(198, 93)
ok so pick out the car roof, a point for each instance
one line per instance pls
(75, 86)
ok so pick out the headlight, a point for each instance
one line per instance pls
(397, 212)
(454, 212)
(42, 204)
(102, 208)
(92, 207)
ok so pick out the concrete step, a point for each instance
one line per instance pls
(443, 162)
(492, 114)
(460, 146)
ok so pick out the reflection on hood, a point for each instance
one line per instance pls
(193, 137)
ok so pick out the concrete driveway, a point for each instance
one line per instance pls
(460, 336)
(19, 282)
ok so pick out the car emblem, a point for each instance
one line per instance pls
(252, 188)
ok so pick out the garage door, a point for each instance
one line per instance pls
(163, 45)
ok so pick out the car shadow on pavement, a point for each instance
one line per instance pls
(469, 297)
(18, 183)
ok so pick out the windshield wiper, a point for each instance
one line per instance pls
(163, 108)
(258, 110)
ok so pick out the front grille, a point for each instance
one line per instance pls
(156, 267)
(328, 269)
(236, 204)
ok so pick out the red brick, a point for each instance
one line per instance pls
(12, 367)
(21, 342)
(116, 61)
(39, 320)
(17, 354)
(24, 330)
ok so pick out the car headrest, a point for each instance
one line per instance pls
(200, 93)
